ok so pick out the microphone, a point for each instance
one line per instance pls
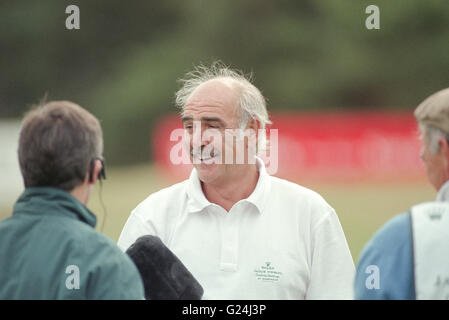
(164, 276)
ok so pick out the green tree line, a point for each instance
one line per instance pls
(124, 61)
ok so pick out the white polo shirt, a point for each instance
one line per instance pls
(282, 242)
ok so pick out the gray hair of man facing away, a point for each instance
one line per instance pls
(433, 118)
(58, 140)
(252, 104)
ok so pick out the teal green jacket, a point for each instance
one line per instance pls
(49, 249)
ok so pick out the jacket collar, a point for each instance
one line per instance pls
(53, 201)
(198, 201)
(443, 193)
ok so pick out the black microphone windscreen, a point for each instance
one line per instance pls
(164, 276)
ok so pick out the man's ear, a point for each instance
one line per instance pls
(443, 145)
(443, 151)
(254, 124)
(94, 170)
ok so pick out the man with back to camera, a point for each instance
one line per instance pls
(408, 258)
(49, 248)
(241, 232)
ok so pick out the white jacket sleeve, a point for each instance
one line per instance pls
(332, 266)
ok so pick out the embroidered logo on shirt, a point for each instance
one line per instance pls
(435, 213)
(435, 216)
(267, 273)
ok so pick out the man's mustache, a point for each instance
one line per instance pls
(204, 152)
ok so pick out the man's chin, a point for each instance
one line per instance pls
(207, 172)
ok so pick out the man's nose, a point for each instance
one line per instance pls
(199, 138)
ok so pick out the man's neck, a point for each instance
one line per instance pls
(232, 190)
(81, 193)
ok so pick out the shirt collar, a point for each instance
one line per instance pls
(443, 193)
(198, 201)
(260, 193)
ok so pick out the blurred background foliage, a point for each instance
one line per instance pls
(124, 62)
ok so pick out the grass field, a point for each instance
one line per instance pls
(361, 207)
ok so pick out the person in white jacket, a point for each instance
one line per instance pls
(242, 233)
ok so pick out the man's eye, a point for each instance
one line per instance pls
(188, 127)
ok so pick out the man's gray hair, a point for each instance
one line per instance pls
(252, 104)
(432, 134)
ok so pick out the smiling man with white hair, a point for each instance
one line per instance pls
(408, 258)
(242, 233)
